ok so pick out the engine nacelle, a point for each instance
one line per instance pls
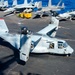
(24, 30)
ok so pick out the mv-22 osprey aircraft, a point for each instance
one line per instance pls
(39, 42)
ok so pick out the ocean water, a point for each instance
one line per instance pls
(69, 4)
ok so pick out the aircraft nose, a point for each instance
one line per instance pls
(70, 50)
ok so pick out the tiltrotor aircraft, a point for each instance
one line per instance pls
(39, 42)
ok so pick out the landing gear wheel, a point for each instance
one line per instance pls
(68, 55)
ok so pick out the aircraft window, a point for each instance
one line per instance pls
(60, 45)
(51, 45)
(60, 42)
(65, 45)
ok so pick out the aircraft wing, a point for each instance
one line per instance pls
(65, 16)
(23, 6)
(50, 30)
(19, 41)
(40, 46)
(11, 9)
(25, 48)
(72, 16)
(43, 11)
(17, 8)
(3, 27)
(72, 13)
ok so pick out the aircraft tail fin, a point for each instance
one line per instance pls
(51, 29)
(59, 3)
(14, 2)
(25, 43)
(1, 2)
(49, 3)
(31, 1)
(38, 4)
(6, 3)
(3, 26)
(25, 2)
(63, 6)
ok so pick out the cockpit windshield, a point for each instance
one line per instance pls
(62, 44)
(65, 44)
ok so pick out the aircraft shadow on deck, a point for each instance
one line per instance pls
(5, 62)
(38, 16)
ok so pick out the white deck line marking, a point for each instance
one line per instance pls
(12, 69)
